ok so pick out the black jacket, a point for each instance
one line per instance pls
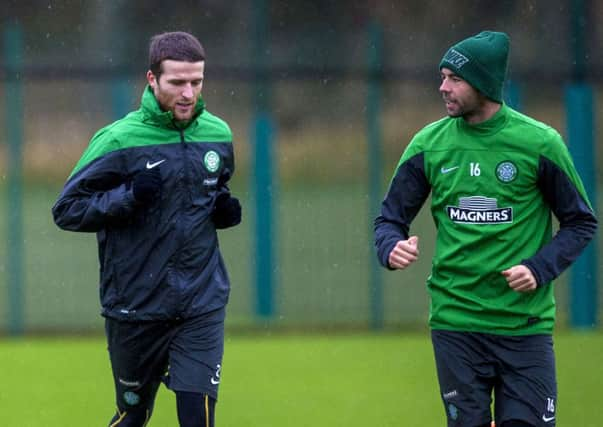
(160, 261)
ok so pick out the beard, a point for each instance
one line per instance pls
(454, 109)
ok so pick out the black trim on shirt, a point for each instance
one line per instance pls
(577, 223)
(407, 192)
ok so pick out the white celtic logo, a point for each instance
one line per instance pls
(506, 171)
(212, 161)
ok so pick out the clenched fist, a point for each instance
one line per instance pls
(404, 253)
(520, 278)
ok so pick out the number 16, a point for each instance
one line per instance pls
(474, 169)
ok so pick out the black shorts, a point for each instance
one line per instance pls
(185, 354)
(518, 370)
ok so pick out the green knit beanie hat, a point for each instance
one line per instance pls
(481, 60)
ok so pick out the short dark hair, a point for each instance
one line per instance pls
(177, 45)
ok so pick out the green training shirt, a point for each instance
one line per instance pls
(493, 187)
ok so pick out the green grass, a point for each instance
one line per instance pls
(293, 380)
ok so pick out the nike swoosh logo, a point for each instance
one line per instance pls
(446, 170)
(547, 419)
(215, 382)
(152, 165)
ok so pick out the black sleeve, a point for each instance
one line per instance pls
(577, 223)
(407, 192)
(97, 196)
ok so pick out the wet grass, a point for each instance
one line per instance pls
(272, 380)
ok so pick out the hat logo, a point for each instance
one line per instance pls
(456, 58)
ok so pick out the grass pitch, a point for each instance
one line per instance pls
(293, 380)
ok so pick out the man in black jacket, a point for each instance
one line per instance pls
(153, 186)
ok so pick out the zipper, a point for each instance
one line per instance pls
(182, 220)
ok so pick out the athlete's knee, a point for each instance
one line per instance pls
(134, 417)
(195, 409)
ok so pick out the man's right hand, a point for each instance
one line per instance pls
(404, 253)
(146, 186)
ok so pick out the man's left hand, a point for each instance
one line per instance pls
(227, 211)
(520, 278)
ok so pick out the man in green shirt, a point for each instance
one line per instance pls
(495, 177)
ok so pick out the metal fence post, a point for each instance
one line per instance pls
(375, 163)
(581, 131)
(14, 134)
(263, 169)
(512, 95)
